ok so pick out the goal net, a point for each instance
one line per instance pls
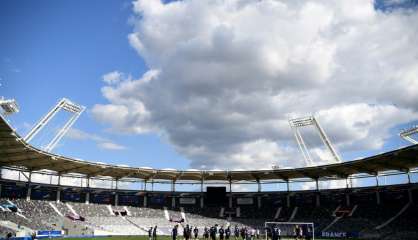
(293, 230)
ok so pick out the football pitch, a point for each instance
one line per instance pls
(159, 238)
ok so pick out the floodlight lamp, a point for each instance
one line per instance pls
(72, 107)
(406, 134)
(9, 106)
(301, 122)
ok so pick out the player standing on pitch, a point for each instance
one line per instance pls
(221, 233)
(174, 232)
(150, 233)
(298, 232)
(236, 232)
(196, 232)
(206, 233)
(227, 233)
(154, 233)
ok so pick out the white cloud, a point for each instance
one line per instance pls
(78, 134)
(111, 146)
(112, 77)
(225, 76)
(101, 142)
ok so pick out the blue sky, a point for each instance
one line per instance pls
(51, 49)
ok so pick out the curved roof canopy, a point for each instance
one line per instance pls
(14, 151)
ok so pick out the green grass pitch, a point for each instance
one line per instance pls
(159, 238)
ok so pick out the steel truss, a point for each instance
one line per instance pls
(297, 123)
(66, 105)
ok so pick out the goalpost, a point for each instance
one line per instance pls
(287, 229)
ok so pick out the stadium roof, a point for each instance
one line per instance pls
(14, 151)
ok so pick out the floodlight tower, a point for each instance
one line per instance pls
(9, 106)
(406, 134)
(63, 104)
(297, 123)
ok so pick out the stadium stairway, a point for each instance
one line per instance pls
(294, 212)
(336, 219)
(277, 214)
(55, 209)
(394, 217)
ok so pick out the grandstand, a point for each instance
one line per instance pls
(72, 203)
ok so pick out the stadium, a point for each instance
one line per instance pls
(70, 204)
(209, 119)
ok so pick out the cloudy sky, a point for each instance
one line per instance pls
(212, 84)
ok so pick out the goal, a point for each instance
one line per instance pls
(305, 230)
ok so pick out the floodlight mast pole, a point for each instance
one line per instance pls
(63, 104)
(38, 127)
(326, 140)
(307, 121)
(302, 147)
(64, 130)
(295, 124)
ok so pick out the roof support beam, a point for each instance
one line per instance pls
(130, 174)
(280, 176)
(20, 154)
(13, 150)
(10, 144)
(365, 170)
(135, 174)
(144, 175)
(258, 185)
(309, 175)
(19, 161)
(8, 139)
(26, 176)
(68, 170)
(100, 172)
(287, 186)
(339, 174)
(43, 166)
(409, 177)
(152, 176)
(394, 166)
(255, 177)
(179, 175)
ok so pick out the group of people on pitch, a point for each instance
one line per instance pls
(299, 232)
(217, 232)
(152, 233)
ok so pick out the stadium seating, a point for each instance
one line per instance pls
(91, 210)
(363, 216)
